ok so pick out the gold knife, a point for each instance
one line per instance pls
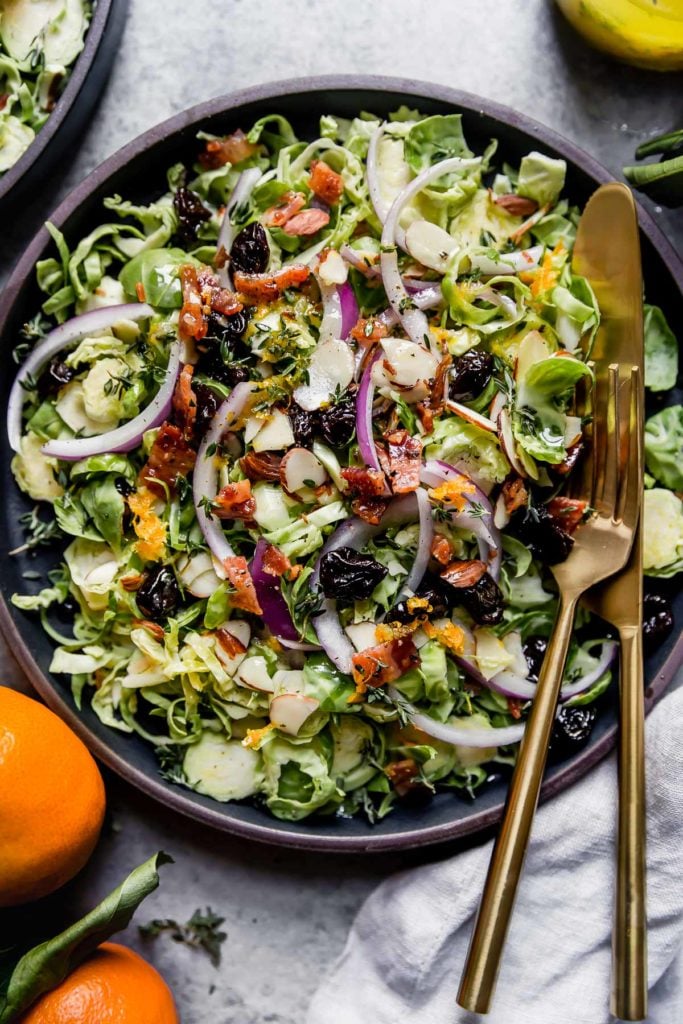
(607, 253)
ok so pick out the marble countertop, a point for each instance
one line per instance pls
(287, 912)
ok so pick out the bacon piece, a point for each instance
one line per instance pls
(441, 549)
(229, 642)
(402, 775)
(461, 573)
(275, 562)
(405, 454)
(232, 149)
(256, 288)
(234, 501)
(370, 510)
(219, 299)
(185, 402)
(367, 332)
(325, 183)
(240, 578)
(384, 663)
(171, 456)
(515, 706)
(203, 294)
(261, 465)
(287, 206)
(568, 513)
(518, 206)
(308, 222)
(366, 483)
(192, 321)
(515, 494)
(574, 453)
(434, 402)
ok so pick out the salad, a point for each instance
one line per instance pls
(39, 42)
(305, 422)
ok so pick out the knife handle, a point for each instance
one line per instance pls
(629, 944)
(507, 860)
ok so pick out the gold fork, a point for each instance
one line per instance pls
(611, 484)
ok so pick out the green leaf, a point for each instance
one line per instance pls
(664, 446)
(47, 965)
(157, 271)
(434, 139)
(661, 351)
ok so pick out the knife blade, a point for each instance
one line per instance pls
(607, 253)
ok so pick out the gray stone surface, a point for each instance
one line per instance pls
(287, 913)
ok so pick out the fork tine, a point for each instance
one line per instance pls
(607, 455)
(631, 483)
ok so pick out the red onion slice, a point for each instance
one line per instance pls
(364, 399)
(435, 472)
(510, 684)
(273, 605)
(461, 736)
(424, 544)
(298, 645)
(205, 476)
(380, 205)
(128, 435)
(413, 319)
(349, 309)
(66, 334)
(226, 236)
(426, 298)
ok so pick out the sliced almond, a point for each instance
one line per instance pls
(289, 711)
(301, 472)
(430, 245)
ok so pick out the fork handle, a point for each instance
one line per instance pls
(629, 945)
(488, 938)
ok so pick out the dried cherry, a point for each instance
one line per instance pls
(250, 252)
(470, 375)
(158, 595)
(348, 575)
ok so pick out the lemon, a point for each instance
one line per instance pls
(647, 33)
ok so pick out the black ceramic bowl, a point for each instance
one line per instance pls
(67, 121)
(137, 172)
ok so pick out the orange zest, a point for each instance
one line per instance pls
(255, 737)
(453, 492)
(449, 635)
(149, 528)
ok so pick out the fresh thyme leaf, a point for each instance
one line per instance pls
(38, 532)
(202, 931)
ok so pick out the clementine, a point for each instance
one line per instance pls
(51, 800)
(113, 986)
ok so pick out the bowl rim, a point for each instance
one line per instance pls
(80, 70)
(175, 798)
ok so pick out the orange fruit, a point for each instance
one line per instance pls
(113, 986)
(51, 800)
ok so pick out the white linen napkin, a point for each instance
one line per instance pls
(404, 956)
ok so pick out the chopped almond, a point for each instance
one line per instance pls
(515, 494)
(463, 573)
(229, 643)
